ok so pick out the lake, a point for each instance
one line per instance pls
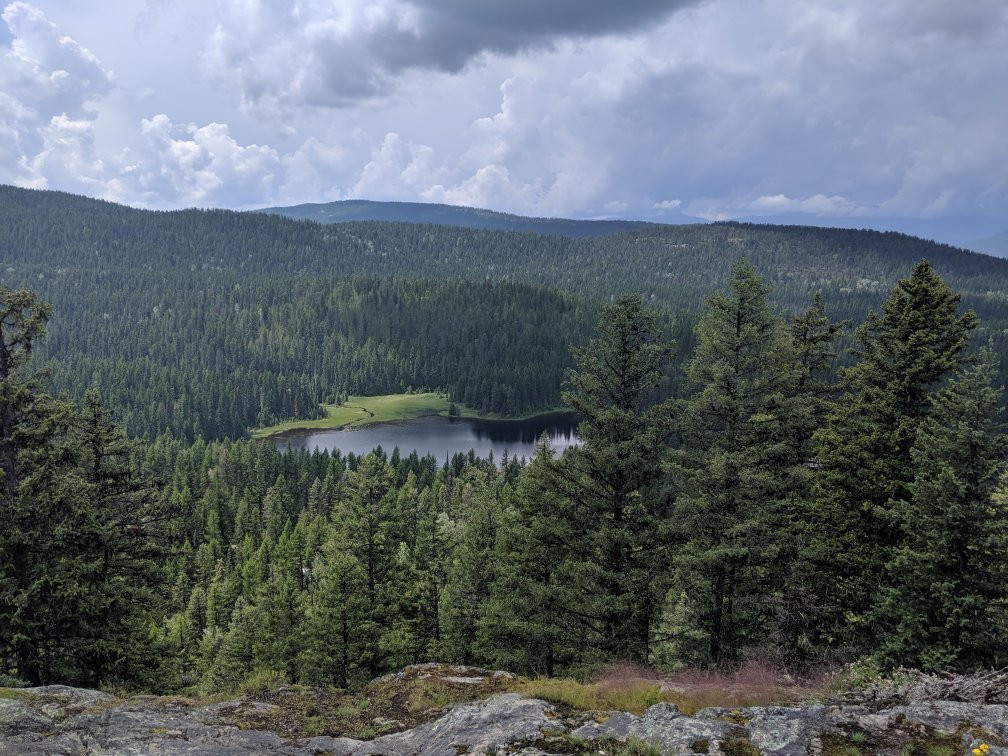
(442, 436)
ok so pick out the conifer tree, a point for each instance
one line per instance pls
(471, 571)
(232, 660)
(26, 433)
(531, 596)
(612, 480)
(945, 604)
(423, 575)
(335, 611)
(112, 554)
(736, 465)
(814, 337)
(903, 354)
(364, 520)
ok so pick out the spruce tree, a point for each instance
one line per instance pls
(364, 519)
(471, 571)
(737, 465)
(113, 549)
(863, 453)
(945, 604)
(813, 336)
(531, 596)
(27, 438)
(335, 611)
(611, 482)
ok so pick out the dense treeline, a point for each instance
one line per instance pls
(775, 508)
(156, 308)
(215, 359)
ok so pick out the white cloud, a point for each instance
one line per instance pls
(199, 165)
(320, 53)
(47, 85)
(818, 204)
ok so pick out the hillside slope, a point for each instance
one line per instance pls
(208, 322)
(449, 215)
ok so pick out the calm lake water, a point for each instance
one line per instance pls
(443, 437)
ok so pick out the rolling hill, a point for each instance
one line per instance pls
(209, 322)
(450, 215)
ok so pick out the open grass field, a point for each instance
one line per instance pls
(359, 411)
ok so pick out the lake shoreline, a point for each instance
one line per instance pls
(439, 435)
(356, 414)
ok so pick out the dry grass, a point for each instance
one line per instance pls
(632, 696)
(753, 684)
(633, 688)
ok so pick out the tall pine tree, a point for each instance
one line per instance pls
(903, 354)
(737, 465)
(612, 481)
(945, 603)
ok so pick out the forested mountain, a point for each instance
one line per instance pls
(211, 322)
(770, 510)
(449, 215)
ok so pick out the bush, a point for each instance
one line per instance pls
(261, 681)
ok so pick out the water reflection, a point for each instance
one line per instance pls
(443, 437)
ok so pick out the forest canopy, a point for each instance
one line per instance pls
(773, 507)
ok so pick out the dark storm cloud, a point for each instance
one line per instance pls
(327, 54)
(452, 32)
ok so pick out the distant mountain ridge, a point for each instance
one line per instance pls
(345, 211)
(996, 245)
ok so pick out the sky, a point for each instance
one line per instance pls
(862, 113)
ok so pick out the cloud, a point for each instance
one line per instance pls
(672, 204)
(47, 84)
(326, 54)
(715, 108)
(202, 164)
(44, 69)
(818, 204)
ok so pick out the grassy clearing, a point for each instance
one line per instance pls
(361, 411)
(634, 697)
(626, 687)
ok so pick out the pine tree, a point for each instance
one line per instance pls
(364, 517)
(113, 548)
(471, 571)
(863, 453)
(335, 612)
(233, 659)
(737, 465)
(29, 426)
(422, 577)
(813, 336)
(531, 597)
(945, 605)
(611, 480)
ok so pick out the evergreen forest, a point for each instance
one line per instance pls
(210, 323)
(806, 466)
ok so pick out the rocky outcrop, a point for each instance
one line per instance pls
(61, 720)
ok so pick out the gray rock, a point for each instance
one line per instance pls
(482, 727)
(787, 731)
(60, 720)
(17, 715)
(663, 726)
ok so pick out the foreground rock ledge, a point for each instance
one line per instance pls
(62, 720)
